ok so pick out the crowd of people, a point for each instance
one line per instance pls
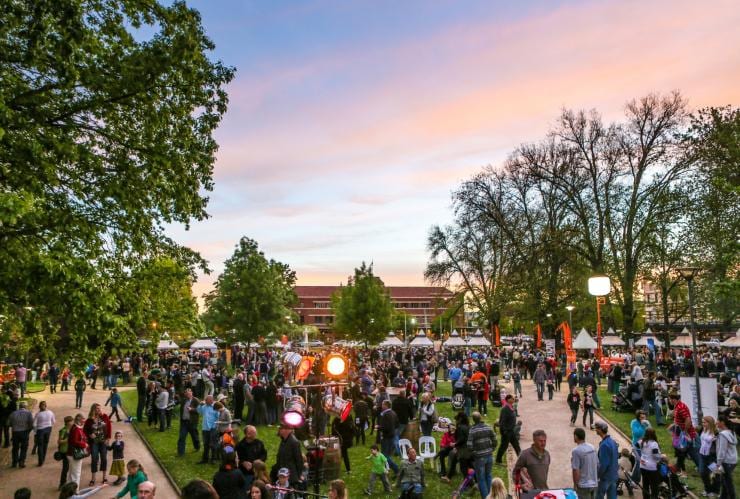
(220, 401)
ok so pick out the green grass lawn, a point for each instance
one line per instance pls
(35, 386)
(622, 421)
(185, 468)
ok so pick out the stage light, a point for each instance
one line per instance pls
(337, 406)
(335, 365)
(295, 410)
(304, 368)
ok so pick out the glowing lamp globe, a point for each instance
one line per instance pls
(336, 365)
(294, 419)
(295, 410)
(599, 285)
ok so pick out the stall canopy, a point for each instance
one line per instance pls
(478, 340)
(642, 342)
(391, 341)
(204, 344)
(167, 345)
(584, 341)
(454, 340)
(683, 340)
(421, 340)
(611, 339)
(733, 342)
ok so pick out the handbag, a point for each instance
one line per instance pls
(80, 453)
(58, 456)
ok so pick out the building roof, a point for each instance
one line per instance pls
(395, 291)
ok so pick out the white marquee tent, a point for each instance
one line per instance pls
(584, 341)
(454, 340)
(421, 340)
(642, 342)
(167, 345)
(478, 340)
(391, 341)
(733, 342)
(611, 339)
(204, 344)
(683, 340)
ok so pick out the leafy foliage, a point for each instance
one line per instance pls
(107, 113)
(363, 310)
(253, 295)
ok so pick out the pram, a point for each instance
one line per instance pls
(671, 486)
(625, 477)
(629, 398)
(458, 402)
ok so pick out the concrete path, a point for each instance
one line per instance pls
(44, 481)
(553, 416)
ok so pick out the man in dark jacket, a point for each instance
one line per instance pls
(141, 394)
(250, 449)
(388, 428)
(238, 396)
(404, 409)
(289, 456)
(507, 425)
(188, 422)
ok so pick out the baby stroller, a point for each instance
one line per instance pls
(625, 400)
(458, 398)
(671, 486)
(626, 476)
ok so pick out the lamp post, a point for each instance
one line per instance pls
(599, 286)
(570, 308)
(688, 273)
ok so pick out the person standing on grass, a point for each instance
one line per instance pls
(188, 422)
(682, 422)
(726, 456)
(140, 396)
(608, 463)
(250, 449)
(387, 428)
(584, 463)
(209, 417)
(507, 427)
(482, 441)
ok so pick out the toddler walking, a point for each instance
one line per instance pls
(378, 468)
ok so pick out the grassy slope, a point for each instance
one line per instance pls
(183, 469)
(622, 421)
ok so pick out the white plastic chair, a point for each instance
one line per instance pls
(427, 449)
(404, 444)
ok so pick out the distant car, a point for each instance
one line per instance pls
(311, 343)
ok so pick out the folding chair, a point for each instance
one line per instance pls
(427, 449)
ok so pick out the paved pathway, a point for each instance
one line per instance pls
(553, 416)
(44, 481)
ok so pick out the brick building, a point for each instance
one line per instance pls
(424, 303)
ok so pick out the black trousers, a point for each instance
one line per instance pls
(65, 470)
(360, 432)
(441, 455)
(506, 439)
(140, 404)
(345, 456)
(20, 446)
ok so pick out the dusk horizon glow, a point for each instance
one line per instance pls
(350, 123)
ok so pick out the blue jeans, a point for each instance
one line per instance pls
(483, 467)
(540, 391)
(647, 404)
(728, 487)
(388, 447)
(99, 452)
(608, 488)
(187, 428)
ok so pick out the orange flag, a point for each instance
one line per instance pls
(497, 333)
(539, 336)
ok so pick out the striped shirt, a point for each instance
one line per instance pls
(482, 440)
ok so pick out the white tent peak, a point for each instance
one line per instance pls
(584, 341)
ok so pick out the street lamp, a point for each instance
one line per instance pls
(570, 308)
(599, 286)
(689, 273)
(413, 321)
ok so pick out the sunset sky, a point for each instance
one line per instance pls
(350, 122)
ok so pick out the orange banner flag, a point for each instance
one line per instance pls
(567, 337)
(539, 336)
(497, 333)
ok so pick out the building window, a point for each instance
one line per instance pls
(321, 304)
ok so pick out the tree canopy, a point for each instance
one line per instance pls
(107, 114)
(363, 310)
(253, 295)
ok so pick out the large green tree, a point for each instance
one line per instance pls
(107, 113)
(253, 296)
(363, 310)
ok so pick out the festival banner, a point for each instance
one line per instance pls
(539, 336)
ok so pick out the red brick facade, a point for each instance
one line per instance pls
(423, 302)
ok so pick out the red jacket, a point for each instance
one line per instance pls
(89, 428)
(77, 439)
